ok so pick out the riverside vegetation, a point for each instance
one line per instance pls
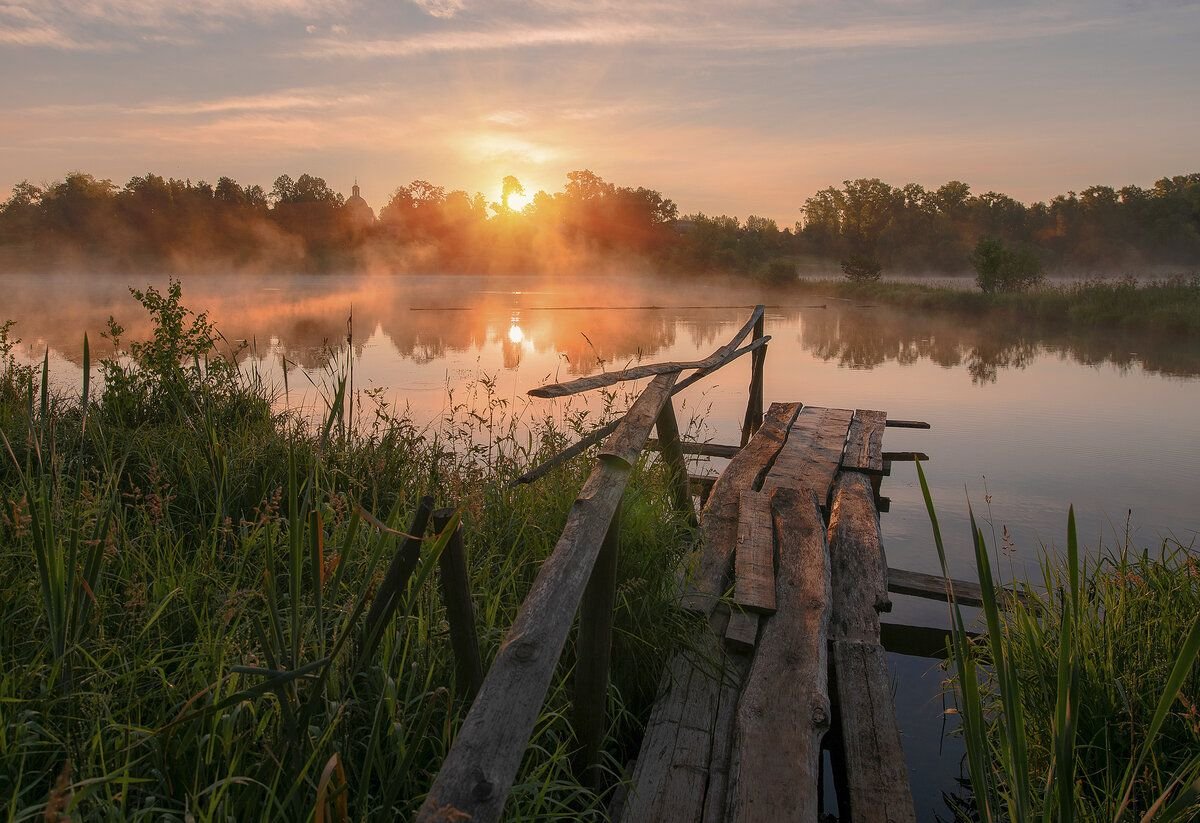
(185, 570)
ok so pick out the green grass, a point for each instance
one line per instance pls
(1169, 307)
(1079, 701)
(186, 570)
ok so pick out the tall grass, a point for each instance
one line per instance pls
(1078, 701)
(186, 573)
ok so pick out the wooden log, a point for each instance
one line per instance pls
(709, 568)
(587, 441)
(860, 587)
(875, 770)
(672, 452)
(754, 400)
(754, 555)
(478, 772)
(460, 613)
(864, 442)
(395, 580)
(784, 709)
(594, 649)
(813, 451)
(742, 632)
(907, 424)
(597, 381)
(936, 587)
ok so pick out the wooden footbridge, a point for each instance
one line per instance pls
(788, 583)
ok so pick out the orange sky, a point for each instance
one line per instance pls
(735, 109)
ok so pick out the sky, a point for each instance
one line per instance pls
(732, 108)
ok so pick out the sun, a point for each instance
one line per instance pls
(516, 202)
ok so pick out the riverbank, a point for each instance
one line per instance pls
(1168, 307)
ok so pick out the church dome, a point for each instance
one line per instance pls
(357, 208)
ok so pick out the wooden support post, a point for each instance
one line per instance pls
(754, 403)
(460, 614)
(387, 598)
(594, 656)
(672, 451)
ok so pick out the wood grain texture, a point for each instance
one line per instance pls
(710, 566)
(478, 772)
(754, 555)
(597, 381)
(742, 632)
(813, 451)
(784, 709)
(856, 554)
(875, 768)
(864, 442)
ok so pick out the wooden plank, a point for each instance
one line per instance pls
(391, 591)
(875, 770)
(460, 613)
(916, 641)
(597, 381)
(905, 456)
(754, 556)
(668, 431)
(478, 772)
(742, 632)
(709, 567)
(813, 451)
(784, 709)
(907, 424)
(587, 441)
(864, 442)
(936, 587)
(701, 449)
(856, 553)
(721, 757)
(754, 401)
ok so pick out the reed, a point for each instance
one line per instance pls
(1077, 702)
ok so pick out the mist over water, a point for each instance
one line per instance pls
(1024, 424)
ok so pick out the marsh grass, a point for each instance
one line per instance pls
(1078, 701)
(185, 573)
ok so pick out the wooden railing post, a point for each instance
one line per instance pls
(671, 448)
(391, 590)
(594, 656)
(460, 614)
(754, 403)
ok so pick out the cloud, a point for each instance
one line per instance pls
(485, 40)
(440, 8)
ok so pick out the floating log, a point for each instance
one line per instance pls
(478, 772)
(784, 709)
(598, 381)
(754, 555)
(710, 567)
(864, 443)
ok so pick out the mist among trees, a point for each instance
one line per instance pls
(301, 224)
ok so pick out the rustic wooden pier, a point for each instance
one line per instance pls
(787, 585)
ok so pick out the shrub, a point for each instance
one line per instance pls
(778, 272)
(859, 268)
(999, 268)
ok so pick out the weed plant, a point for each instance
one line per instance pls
(185, 570)
(1079, 701)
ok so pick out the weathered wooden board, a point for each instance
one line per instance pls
(784, 709)
(710, 566)
(856, 554)
(754, 556)
(701, 449)
(742, 632)
(597, 381)
(935, 587)
(477, 774)
(907, 424)
(875, 769)
(864, 442)
(813, 451)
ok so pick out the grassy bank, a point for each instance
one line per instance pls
(1168, 307)
(1080, 700)
(183, 571)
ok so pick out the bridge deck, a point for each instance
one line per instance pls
(787, 662)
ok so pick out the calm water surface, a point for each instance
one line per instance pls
(1023, 424)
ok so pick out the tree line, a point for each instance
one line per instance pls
(155, 222)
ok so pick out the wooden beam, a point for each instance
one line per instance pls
(597, 381)
(709, 568)
(701, 449)
(784, 709)
(907, 424)
(592, 438)
(742, 632)
(395, 580)
(478, 772)
(594, 653)
(899, 457)
(936, 587)
(813, 451)
(672, 452)
(460, 613)
(864, 443)
(754, 401)
(860, 589)
(754, 555)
